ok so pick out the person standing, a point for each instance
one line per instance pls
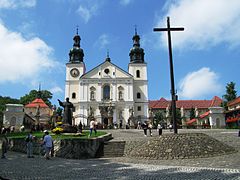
(159, 128)
(80, 126)
(139, 125)
(4, 144)
(150, 128)
(92, 127)
(29, 141)
(144, 126)
(48, 142)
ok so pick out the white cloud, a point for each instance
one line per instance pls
(13, 4)
(56, 89)
(88, 10)
(102, 42)
(22, 59)
(207, 23)
(125, 2)
(199, 84)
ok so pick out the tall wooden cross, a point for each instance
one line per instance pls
(173, 93)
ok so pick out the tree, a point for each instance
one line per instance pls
(230, 95)
(33, 94)
(192, 113)
(158, 118)
(7, 100)
(178, 116)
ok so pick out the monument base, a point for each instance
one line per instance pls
(67, 128)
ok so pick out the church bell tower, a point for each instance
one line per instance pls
(138, 69)
(75, 68)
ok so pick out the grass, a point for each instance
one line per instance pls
(39, 134)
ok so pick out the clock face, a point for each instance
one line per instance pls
(74, 72)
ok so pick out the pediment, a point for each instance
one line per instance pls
(106, 70)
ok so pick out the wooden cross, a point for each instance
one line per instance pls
(174, 97)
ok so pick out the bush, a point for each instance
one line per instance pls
(57, 130)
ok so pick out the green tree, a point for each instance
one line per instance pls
(192, 113)
(230, 95)
(158, 118)
(7, 100)
(178, 116)
(33, 94)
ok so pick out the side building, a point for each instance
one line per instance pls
(207, 113)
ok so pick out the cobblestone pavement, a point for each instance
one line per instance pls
(18, 166)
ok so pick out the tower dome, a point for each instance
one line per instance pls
(136, 53)
(76, 54)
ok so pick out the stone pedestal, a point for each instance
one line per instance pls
(67, 128)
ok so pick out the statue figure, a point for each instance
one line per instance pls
(67, 116)
(110, 111)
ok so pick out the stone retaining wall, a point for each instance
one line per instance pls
(180, 146)
(66, 148)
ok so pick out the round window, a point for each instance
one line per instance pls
(106, 71)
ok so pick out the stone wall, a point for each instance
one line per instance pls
(66, 148)
(180, 146)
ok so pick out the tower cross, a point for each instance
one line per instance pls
(173, 93)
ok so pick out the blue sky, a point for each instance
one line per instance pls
(36, 36)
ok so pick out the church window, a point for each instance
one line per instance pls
(73, 95)
(139, 108)
(138, 74)
(139, 95)
(106, 71)
(106, 92)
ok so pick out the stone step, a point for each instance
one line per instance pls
(113, 148)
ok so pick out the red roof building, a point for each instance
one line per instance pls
(201, 108)
(38, 110)
(37, 103)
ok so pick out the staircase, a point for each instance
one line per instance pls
(113, 149)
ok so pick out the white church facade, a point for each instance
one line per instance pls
(107, 93)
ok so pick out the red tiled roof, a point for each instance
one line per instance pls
(186, 104)
(232, 119)
(37, 103)
(204, 115)
(235, 101)
(191, 121)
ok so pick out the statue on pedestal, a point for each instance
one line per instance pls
(67, 116)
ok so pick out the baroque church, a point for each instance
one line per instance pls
(107, 93)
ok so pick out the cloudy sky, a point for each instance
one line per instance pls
(36, 36)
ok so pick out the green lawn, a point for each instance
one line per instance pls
(39, 135)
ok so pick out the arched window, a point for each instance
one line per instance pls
(139, 95)
(106, 92)
(73, 95)
(138, 74)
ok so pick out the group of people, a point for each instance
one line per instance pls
(47, 143)
(148, 126)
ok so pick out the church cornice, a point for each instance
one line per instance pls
(101, 65)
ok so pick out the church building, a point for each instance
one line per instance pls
(107, 93)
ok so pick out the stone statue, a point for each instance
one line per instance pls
(110, 111)
(67, 116)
